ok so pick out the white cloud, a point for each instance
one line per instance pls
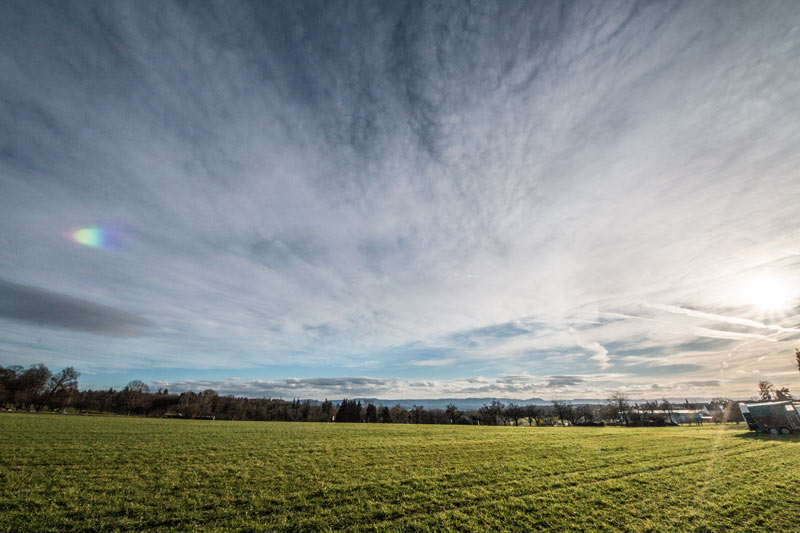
(722, 318)
(433, 362)
(599, 354)
(522, 386)
(349, 198)
(717, 334)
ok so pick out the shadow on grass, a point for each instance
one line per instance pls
(754, 435)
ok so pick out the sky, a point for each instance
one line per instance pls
(403, 200)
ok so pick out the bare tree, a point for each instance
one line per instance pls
(399, 414)
(515, 412)
(558, 410)
(783, 394)
(498, 408)
(137, 386)
(666, 406)
(207, 399)
(62, 382)
(619, 406)
(31, 384)
(490, 413)
(532, 414)
(766, 391)
(581, 412)
(564, 411)
(797, 357)
(133, 393)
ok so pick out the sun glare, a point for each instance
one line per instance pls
(768, 293)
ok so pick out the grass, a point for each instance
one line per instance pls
(116, 473)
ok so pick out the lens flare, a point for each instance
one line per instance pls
(88, 237)
(107, 238)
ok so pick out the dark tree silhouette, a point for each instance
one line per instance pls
(514, 412)
(417, 414)
(490, 413)
(766, 391)
(619, 407)
(371, 414)
(31, 385)
(133, 394)
(564, 411)
(326, 411)
(61, 386)
(452, 412)
(666, 406)
(35, 388)
(399, 414)
(349, 411)
(532, 414)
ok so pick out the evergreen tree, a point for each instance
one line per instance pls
(349, 411)
(371, 414)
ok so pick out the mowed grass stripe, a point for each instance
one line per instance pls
(741, 502)
(611, 463)
(462, 497)
(562, 478)
(512, 491)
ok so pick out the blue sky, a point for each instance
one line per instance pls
(392, 199)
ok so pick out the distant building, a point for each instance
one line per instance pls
(681, 416)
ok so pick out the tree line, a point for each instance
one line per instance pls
(37, 389)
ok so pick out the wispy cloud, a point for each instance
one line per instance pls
(599, 353)
(718, 334)
(722, 318)
(441, 191)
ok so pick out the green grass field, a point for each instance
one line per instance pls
(112, 473)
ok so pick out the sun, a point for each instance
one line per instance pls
(768, 293)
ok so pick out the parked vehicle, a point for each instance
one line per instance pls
(772, 417)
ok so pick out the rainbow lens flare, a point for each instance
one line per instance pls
(88, 237)
(95, 238)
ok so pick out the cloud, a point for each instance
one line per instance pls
(600, 354)
(722, 318)
(300, 189)
(596, 386)
(717, 334)
(433, 362)
(366, 387)
(562, 381)
(702, 384)
(38, 306)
